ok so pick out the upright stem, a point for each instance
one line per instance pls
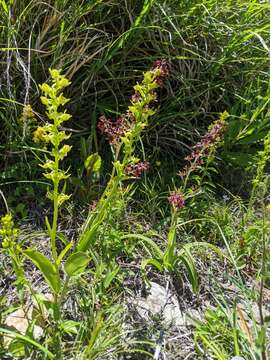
(260, 301)
(261, 290)
(64, 289)
(55, 207)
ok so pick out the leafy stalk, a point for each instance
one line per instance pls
(123, 138)
(50, 133)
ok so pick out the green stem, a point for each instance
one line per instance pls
(56, 327)
(186, 177)
(55, 208)
(169, 255)
(64, 289)
(205, 168)
(263, 273)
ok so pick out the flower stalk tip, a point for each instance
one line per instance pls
(177, 200)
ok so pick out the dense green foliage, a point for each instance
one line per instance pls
(153, 161)
(218, 56)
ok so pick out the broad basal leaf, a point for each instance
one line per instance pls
(76, 263)
(46, 267)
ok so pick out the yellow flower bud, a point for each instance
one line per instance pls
(55, 74)
(40, 135)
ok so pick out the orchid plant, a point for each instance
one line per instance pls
(58, 268)
(202, 155)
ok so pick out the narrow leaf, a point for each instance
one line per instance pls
(48, 226)
(186, 258)
(63, 253)
(152, 262)
(27, 339)
(146, 241)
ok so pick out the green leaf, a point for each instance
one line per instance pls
(76, 263)
(48, 226)
(63, 253)
(16, 347)
(149, 243)
(203, 244)
(69, 326)
(111, 274)
(62, 238)
(169, 256)
(4, 5)
(186, 258)
(152, 262)
(46, 267)
(27, 340)
(92, 163)
(88, 237)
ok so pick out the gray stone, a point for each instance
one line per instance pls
(20, 320)
(161, 301)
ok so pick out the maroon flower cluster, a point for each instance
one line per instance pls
(212, 137)
(136, 170)
(176, 199)
(202, 149)
(115, 129)
(163, 66)
(136, 97)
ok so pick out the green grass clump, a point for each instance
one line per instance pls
(165, 182)
(219, 61)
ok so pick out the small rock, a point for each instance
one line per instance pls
(20, 320)
(160, 301)
(17, 320)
